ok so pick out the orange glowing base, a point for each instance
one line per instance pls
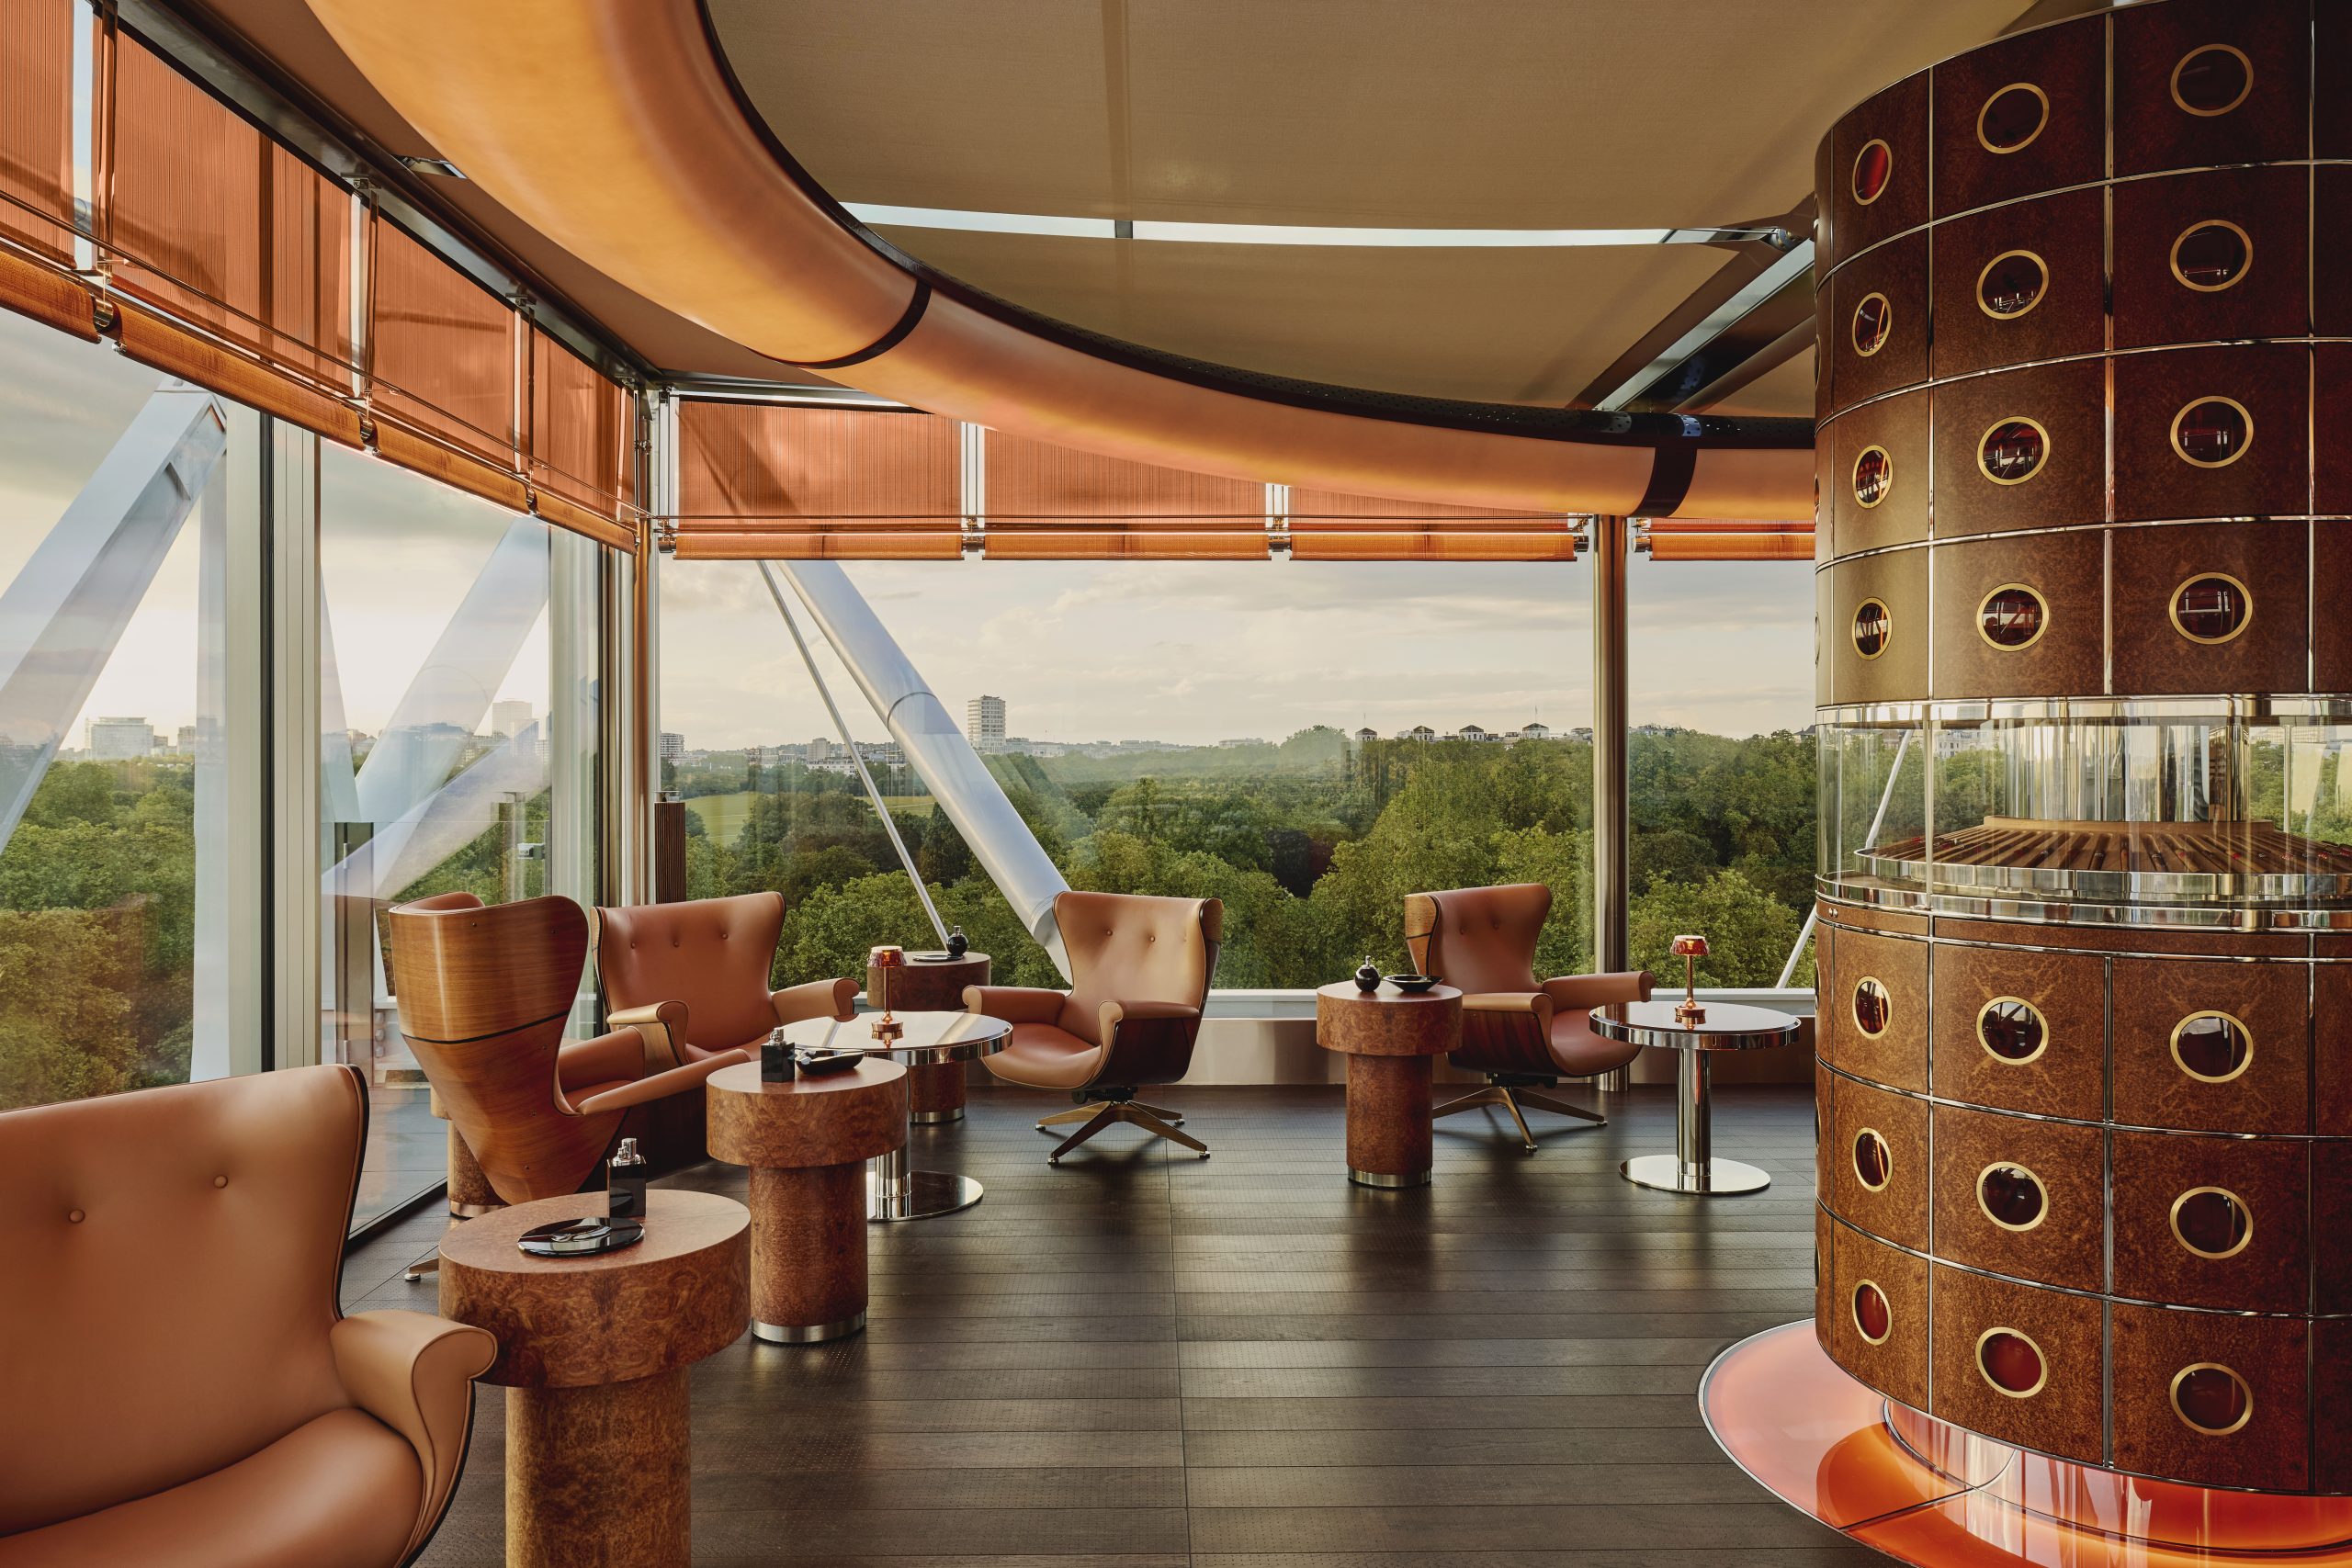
(1927, 1493)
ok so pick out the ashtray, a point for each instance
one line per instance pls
(582, 1237)
(1412, 984)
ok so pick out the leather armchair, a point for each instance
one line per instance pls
(1140, 969)
(485, 996)
(1519, 1031)
(182, 1387)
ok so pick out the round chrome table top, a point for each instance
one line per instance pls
(929, 1039)
(1728, 1026)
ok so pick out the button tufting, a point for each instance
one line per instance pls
(75, 1216)
(220, 1181)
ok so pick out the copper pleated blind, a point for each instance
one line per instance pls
(1048, 503)
(582, 436)
(1329, 526)
(217, 224)
(1701, 539)
(442, 351)
(36, 124)
(772, 480)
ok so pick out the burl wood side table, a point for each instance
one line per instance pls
(594, 1354)
(925, 983)
(1389, 1038)
(806, 1142)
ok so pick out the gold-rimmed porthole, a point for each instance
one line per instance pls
(2212, 1222)
(2211, 432)
(1873, 1160)
(2012, 450)
(2213, 1046)
(2211, 255)
(1873, 322)
(2011, 285)
(1873, 629)
(1872, 1005)
(2012, 1030)
(2011, 1362)
(1871, 1311)
(1873, 171)
(2211, 1399)
(2011, 1196)
(2211, 80)
(2012, 118)
(2211, 607)
(1873, 476)
(2012, 617)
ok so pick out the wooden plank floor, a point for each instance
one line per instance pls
(1142, 1360)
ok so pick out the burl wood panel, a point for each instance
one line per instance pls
(599, 1474)
(1899, 271)
(2064, 1418)
(1899, 580)
(2151, 132)
(2151, 1346)
(1863, 917)
(2068, 1247)
(822, 1118)
(1388, 1114)
(934, 987)
(2069, 659)
(1898, 1366)
(1898, 1055)
(1387, 1022)
(2069, 401)
(2153, 480)
(1899, 424)
(807, 1244)
(1898, 116)
(1824, 1271)
(681, 1294)
(2332, 1049)
(2151, 655)
(2152, 995)
(1899, 1211)
(2069, 64)
(2153, 306)
(2069, 1078)
(2331, 1223)
(2331, 288)
(2125, 939)
(2069, 233)
(2331, 114)
(2153, 1169)
(2332, 1402)
(1825, 975)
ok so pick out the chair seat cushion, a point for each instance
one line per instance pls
(1044, 1056)
(339, 1492)
(1579, 1053)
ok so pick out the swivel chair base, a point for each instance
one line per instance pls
(1101, 1109)
(1511, 1092)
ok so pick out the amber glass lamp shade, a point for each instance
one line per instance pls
(1689, 949)
(881, 961)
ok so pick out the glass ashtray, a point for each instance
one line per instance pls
(582, 1237)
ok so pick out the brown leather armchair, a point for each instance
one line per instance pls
(182, 1386)
(484, 995)
(1140, 975)
(1519, 1031)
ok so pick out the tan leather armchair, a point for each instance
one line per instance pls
(1140, 970)
(484, 995)
(1519, 1031)
(181, 1386)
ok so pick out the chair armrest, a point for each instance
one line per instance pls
(660, 1086)
(619, 1053)
(661, 1026)
(1533, 1004)
(1573, 992)
(817, 999)
(1146, 1038)
(1015, 1004)
(414, 1373)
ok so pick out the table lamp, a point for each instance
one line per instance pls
(1689, 949)
(881, 961)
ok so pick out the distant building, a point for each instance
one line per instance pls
(1244, 741)
(1366, 734)
(509, 719)
(1418, 732)
(188, 740)
(820, 750)
(1536, 732)
(984, 724)
(673, 746)
(1474, 732)
(112, 739)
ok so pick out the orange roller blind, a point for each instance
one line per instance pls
(47, 294)
(1140, 540)
(549, 507)
(442, 351)
(583, 429)
(37, 123)
(1460, 543)
(169, 347)
(817, 543)
(433, 460)
(1785, 545)
(816, 481)
(1031, 483)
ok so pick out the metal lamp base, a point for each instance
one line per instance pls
(927, 1192)
(810, 1334)
(1387, 1179)
(1713, 1177)
(936, 1117)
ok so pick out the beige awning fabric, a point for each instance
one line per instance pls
(36, 124)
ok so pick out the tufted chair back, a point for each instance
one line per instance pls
(1479, 939)
(169, 1261)
(1127, 947)
(714, 954)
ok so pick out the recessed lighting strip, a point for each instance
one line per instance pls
(880, 216)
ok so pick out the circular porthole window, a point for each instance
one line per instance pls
(1873, 171)
(1872, 1320)
(2012, 1030)
(2211, 607)
(2211, 1399)
(2011, 284)
(2012, 451)
(2212, 433)
(1872, 1006)
(1873, 476)
(2011, 617)
(2212, 1047)
(2011, 1362)
(2211, 1221)
(2011, 1196)
(2012, 118)
(2211, 255)
(1874, 1161)
(1873, 627)
(1874, 320)
(2212, 80)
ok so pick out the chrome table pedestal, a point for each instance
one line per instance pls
(893, 1190)
(1727, 1026)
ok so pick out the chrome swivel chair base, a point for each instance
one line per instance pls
(429, 1264)
(1152, 1118)
(1512, 1098)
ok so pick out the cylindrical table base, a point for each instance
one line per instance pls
(598, 1475)
(935, 1093)
(811, 1334)
(470, 1194)
(808, 1249)
(1388, 1120)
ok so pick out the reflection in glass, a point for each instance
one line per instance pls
(2212, 1047)
(1873, 476)
(1874, 1161)
(1873, 319)
(2212, 433)
(1873, 627)
(1872, 1318)
(2212, 80)
(2011, 284)
(2012, 118)
(2211, 1399)
(2010, 1362)
(1874, 167)
(2212, 256)
(2011, 616)
(2211, 1221)
(2011, 1196)
(1872, 1006)
(2211, 608)
(2012, 451)
(2012, 1029)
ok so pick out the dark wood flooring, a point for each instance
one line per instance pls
(1144, 1359)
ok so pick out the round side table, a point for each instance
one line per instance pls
(925, 1039)
(1727, 1026)
(932, 983)
(1389, 1038)
(807, 1141)
(594, 1353)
